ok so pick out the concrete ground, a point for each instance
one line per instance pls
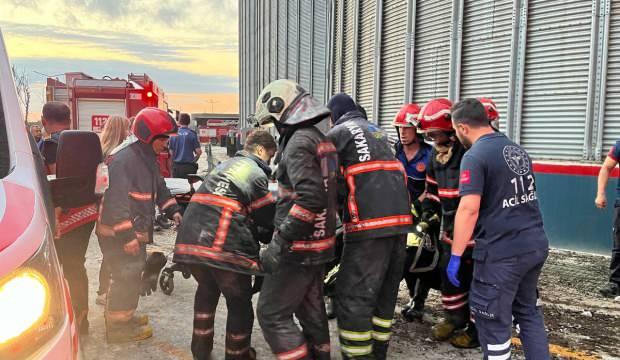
(581, 324)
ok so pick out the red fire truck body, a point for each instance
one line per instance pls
(92, 100)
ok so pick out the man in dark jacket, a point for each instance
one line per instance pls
(305, 224)
(216, 242)
(126, 222)
(377, 217)
(442, 186)
(74, 225)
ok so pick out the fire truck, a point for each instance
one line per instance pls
(93, 100)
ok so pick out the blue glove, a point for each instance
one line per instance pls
(453, 270)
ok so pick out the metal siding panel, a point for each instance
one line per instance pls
(347, 46)
(320, 43)
(293, 40)
(556, 78)
(282, 39)
(366, 55)
(305, 45)
(266, 42)
(485, 54)
(611, 124)
(393, 63)
(432, 50)
(273, 44)
(336, 54)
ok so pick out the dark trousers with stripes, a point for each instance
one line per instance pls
(237, 289)
(455, 299)
(366, 290)
(505, 288)
(295, 290)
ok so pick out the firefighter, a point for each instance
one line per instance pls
(442, 197)
(74, 225)
(305, 223)
(377, 218)
(126, 220)
(414, 154)
(499, 208)
(217, 244)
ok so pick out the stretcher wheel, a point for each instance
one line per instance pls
(186, 275)
(166, 282)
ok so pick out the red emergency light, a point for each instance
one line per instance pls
(149, 94)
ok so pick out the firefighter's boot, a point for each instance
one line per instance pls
(127, 332)
(140, 320)
(443, 331)
(413, 311)
(466, 338)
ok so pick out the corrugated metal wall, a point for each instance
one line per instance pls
(542, 61)
(432, 50)
(611, 132)
(485, 57)
(393, 62)
(556, 78)
(366, 55)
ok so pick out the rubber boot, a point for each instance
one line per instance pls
(406, 308)
(443, 331)
(127, 332)
(140, 320)
(466, 338)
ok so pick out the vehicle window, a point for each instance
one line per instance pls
(5, 160)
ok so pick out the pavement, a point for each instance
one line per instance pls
(581, 324)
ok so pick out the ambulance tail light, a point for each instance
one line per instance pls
(32, 304)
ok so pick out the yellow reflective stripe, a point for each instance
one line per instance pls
(355, 336)
(382, 322)
(356, 350)
(381, 336)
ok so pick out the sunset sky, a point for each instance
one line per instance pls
(189, 47)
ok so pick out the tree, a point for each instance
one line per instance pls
(22, 83)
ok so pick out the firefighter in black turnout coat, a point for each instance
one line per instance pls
(216, 241)
(377, 218)
(442, 186)
(305, 223)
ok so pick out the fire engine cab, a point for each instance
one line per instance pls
(93, 100)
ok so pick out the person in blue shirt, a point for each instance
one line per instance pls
(414, 154)
(184, 149)
(499, 207)
(612, 288)
(411, 150)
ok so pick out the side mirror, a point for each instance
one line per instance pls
(79, 154)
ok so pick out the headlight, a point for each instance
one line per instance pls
(24, 302)
(32, 304)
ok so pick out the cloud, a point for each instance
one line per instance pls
(196, 35)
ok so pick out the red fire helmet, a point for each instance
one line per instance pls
(490, 108)
(435, 115)
(151, 122)
(407, 116)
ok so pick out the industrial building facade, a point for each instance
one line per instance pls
(552, 66)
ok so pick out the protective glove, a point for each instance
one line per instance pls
(154, 263)
(271, 256)
(453, 270)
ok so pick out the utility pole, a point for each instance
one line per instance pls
(211, 101)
